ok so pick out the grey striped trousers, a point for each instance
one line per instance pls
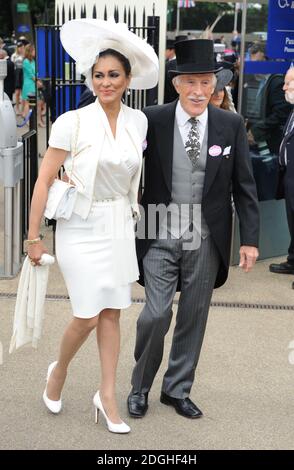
(163, 263)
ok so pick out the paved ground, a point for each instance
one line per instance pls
(244, 382)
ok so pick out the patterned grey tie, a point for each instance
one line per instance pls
(192, 145)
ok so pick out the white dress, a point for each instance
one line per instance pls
(86, 249)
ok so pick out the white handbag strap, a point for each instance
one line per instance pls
(74, 147)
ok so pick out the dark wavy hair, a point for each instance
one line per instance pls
(120, 57)
(226, 101)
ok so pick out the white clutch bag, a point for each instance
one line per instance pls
(61, 200)
(62, 195)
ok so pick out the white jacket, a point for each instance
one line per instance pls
(89, 140)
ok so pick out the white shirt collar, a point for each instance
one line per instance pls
(182, 116)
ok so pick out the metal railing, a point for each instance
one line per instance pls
(18, 173)
(30, 166)
(11, 173)
(58, 70)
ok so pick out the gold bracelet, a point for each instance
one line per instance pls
(27, 243)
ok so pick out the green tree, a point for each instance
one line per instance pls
(6, 25)
(205, 13)
(198, 17)
(42, 11)
(257, 19)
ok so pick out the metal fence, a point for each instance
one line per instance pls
(18, 173)
(58, 71)
(30, 167)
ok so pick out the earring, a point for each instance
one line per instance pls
(94, 94)
(128, 92)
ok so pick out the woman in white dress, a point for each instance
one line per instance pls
(95, 248)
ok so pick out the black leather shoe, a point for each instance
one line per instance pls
(282, 268)
(137, 404)
(183, 406)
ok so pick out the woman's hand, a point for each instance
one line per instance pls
(35, 252)
(51, 163)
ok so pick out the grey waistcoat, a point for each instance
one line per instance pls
(187, 188)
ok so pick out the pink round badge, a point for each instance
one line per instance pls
(215, 151)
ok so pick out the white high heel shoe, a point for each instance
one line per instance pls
(53, 405)
(121, 428)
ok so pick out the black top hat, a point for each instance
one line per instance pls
(230, 57)
(25, 42)
(181, 37)
(194, 56)
(226, 65)
(170, 44)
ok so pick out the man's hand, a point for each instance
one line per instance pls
(248, 256)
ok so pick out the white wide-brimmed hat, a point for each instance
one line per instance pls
(85, 39)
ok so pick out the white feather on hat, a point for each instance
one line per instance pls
(84, 39)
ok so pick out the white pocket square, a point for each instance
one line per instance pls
(227, 150)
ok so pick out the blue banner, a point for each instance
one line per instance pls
(280, 38)
(23, 28)
(266, 66)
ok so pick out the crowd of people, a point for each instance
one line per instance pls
(21, 81)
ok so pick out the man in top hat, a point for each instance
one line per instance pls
(196, 156)
(170, 93)
(170, 50)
